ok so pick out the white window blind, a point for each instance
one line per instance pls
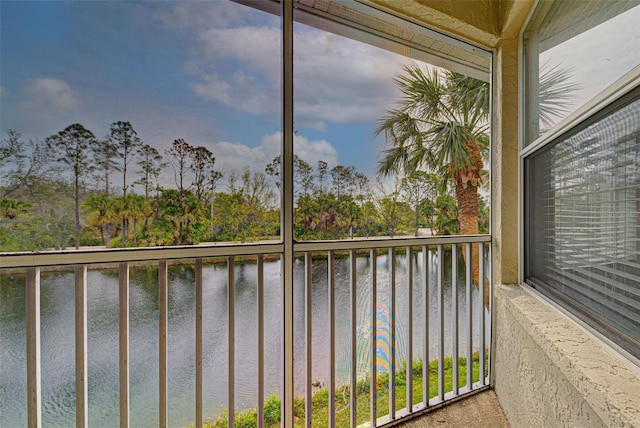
(583, 221)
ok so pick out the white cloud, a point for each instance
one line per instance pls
(244, 70)
(207, 15)
(242, 92)
(335, 79)
(235, 156)
(255, 48)
(236, 62)
(341, 80)
(314, 151)
(51, 95)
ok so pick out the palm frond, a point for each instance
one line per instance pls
(556, 92)
(472, 96)
(449, 142)
(438, 113)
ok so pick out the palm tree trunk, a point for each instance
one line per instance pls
(102, 234)
(135, 231)
(466, 187)
(77, 209)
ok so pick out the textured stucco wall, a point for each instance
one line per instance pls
(550, 373)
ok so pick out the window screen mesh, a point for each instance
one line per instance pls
(583, 224)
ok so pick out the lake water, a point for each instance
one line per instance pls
(57, 343)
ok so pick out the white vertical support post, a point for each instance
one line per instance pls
(481, 306)
(454, 318)
(162, 343)
(354, 344)
(286, 219)
(373, 327)
(231, 344)
(425, 333)
(468, 248)
(82, 396)
(440, 323)
(308, 338)
(392, 333)
(123, 309)
(198, 301)
(331, 303)
(34, 381)
(409, 366)
(260, 298)
(491, 315)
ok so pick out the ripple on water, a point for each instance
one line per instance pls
(58, 342)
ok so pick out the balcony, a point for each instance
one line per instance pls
(330, 333)
(358, 317)
(339, 296)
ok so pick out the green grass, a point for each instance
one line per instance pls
(248, 418)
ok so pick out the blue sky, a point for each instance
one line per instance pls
(208, 72)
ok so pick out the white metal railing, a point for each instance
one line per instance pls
(422, 247)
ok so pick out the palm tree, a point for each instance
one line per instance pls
(441, 124)
(99, 211)
(12, 208)
(137, 209)
(74, 147)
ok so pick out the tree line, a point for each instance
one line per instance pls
(59, 192)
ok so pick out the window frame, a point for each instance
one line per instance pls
(614, 96)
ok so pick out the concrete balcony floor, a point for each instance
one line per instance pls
(480, 410)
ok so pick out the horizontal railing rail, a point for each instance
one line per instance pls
(368, 243)
(117, 255)
(428, 250)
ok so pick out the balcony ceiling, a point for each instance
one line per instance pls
(484, 22)
(382, 30)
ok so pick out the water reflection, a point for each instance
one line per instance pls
(58, 336)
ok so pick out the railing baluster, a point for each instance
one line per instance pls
(123, 297)
(454, 318)
(199, 362)
(482, 312)
(440, 323)
(409, 368)
(34, 381)
(468, 248)
(162, 343)
(332, 338)
(82, 396)
(308, 318)
(354, 351)
(373, 381)
(231, 324)
(260, 297)
(392, 333)
(425, 333)
(490, 311)
(34, 405)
